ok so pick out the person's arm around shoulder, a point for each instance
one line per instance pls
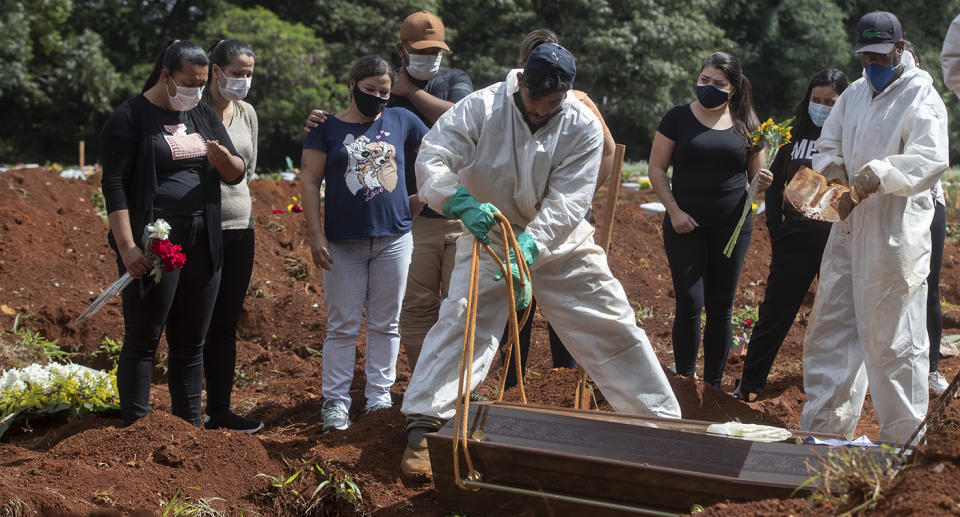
(120, 142)
(313, 166)
(445, 149)
(950, 57)
(428, 105)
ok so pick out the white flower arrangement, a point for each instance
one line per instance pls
(55, 388)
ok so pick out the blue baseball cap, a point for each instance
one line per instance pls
(550, 58)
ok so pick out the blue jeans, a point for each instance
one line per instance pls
(371, 274)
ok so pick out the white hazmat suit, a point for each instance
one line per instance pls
(868, 324)
(950, 57)
(543, 183)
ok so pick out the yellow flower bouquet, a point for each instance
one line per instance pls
(772, 136)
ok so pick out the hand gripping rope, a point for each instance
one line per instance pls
(469, 335)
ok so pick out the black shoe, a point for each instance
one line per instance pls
(232, 421)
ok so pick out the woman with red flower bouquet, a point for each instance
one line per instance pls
(164, 156)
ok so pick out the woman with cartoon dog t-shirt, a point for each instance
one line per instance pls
(364, 245)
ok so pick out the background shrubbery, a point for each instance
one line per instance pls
(65, 64)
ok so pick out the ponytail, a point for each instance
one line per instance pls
(172, 58)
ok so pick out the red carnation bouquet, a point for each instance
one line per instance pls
(164, 255)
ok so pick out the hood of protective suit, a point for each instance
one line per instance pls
(543, 182)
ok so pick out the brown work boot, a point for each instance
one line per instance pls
(415, 462)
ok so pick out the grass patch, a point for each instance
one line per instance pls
(851, 480)
(183, 505)
(110, 348)
(21, 347)
(325, 493)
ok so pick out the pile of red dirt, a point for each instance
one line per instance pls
(54, 260)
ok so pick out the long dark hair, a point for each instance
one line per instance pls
(741, 103)
(831, 77)
(222, 52)
(176, 53)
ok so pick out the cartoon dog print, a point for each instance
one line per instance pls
(370, 165)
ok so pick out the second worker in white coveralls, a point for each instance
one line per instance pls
(887, 135)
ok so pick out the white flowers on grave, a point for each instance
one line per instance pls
(55, 388)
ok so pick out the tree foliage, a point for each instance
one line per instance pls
(636, 58)
(66, 63)
(55, 84)
(291, 75)
(782, 44)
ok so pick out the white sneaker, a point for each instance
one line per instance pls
(937, 383)
(335, 417)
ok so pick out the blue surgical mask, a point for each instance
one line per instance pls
(878, 76)
(710, 96)
(818, 113)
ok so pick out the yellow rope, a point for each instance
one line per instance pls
(469, 335)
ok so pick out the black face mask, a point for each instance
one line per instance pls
(710, 96)
(369, 105)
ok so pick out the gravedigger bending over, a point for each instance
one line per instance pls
(527, 147)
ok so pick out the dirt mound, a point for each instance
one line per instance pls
(54, 260)
(155, 460)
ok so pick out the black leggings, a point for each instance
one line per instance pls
(181, 303)
(561, 357)
(797, 250)
(938, 233)
(220, 347)
(704, 279)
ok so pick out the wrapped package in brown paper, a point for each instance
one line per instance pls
(811, 194)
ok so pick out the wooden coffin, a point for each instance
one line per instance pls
(551, 461)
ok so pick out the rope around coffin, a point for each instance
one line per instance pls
(469, 335)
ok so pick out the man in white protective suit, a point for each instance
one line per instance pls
(527, 147)
(887, 136)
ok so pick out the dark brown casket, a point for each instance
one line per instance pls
(536, 460)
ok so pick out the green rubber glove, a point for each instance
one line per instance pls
(475, 216)
(521, 294)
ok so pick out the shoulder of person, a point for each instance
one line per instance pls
(129, 113)
(453, 73)
(247, 109)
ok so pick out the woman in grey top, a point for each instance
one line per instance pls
(231, 70)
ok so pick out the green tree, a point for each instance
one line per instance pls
(782, 44)
(56, 85)
(291, 76)
(352, 28)
(636, 58)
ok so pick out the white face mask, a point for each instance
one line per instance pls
(423, 67)
(186, 98)
(236, 88)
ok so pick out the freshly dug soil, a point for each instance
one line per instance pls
(54, 260)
